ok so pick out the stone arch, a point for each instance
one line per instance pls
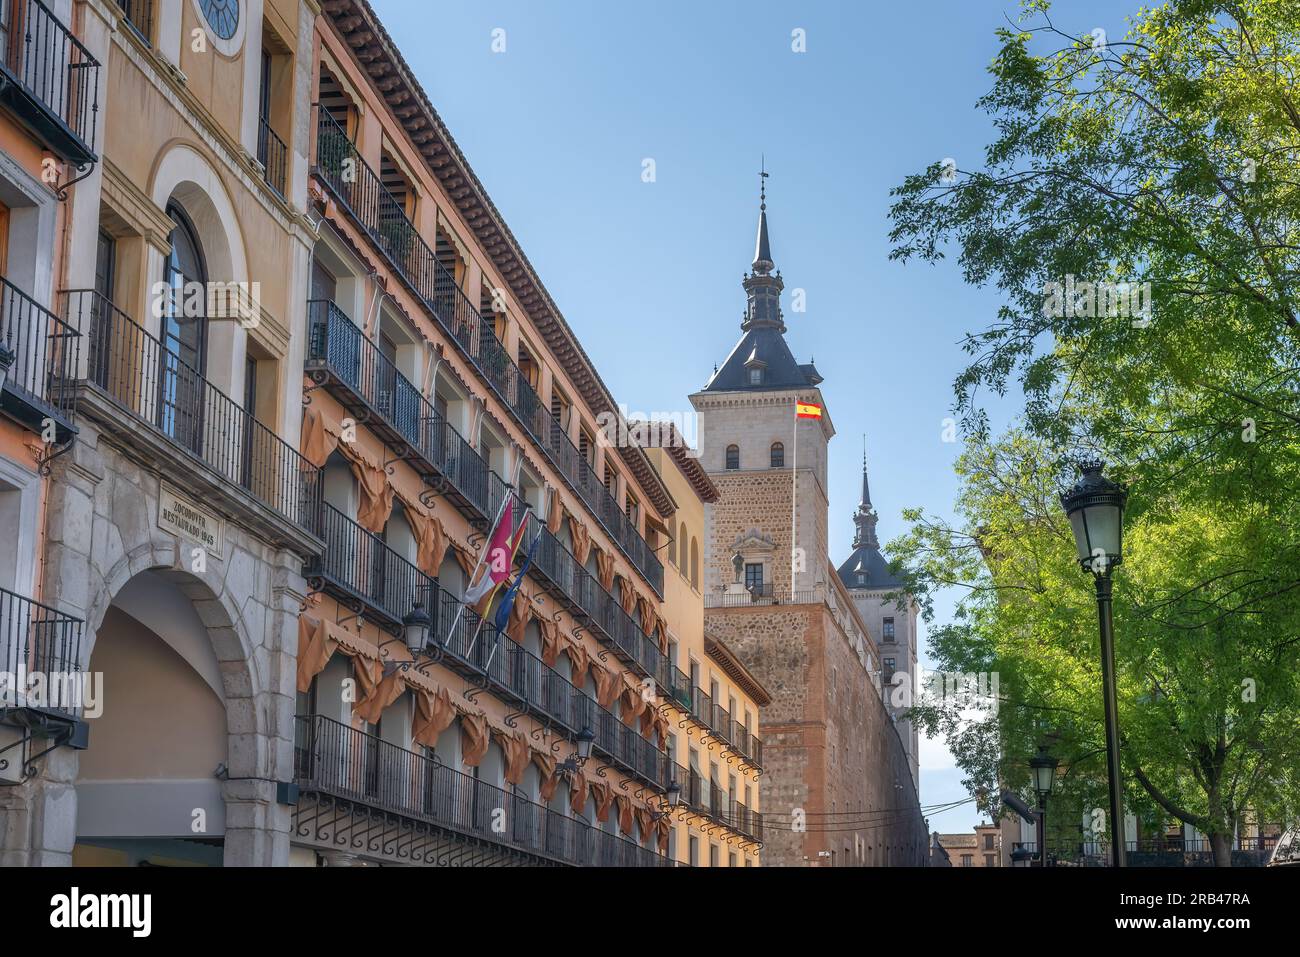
(103, 536)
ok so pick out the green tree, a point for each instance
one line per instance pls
(1156, 174)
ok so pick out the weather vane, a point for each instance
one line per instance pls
(762, 181)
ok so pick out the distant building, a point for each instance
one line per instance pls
(982, 848)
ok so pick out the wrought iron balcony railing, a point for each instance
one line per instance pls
(343, 762)
(383, 218)
(42, 352)
(513, 672)
(273, 155)
(341, 358)
(358, 566)
(706, 797)
(39, 641)
(139, 14)
(50, 81)
(155, 386)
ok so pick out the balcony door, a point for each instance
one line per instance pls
(182, 337)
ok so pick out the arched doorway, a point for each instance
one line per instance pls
(151, 789)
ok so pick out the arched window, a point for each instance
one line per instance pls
(695, 563)
(778, 455)
(681, 550)
(181, 360)
(733, 456)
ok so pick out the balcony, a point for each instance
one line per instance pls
(132, 379)
(138, 15)
(353, 369)
(364, 770)
(273, 155)
(705, 797)
(48, 80)
(36, 639)
(42, 351)
(581, 593)
(358, 190)
(357, 566)
(481, 652)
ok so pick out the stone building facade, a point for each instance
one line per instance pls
(837, 787)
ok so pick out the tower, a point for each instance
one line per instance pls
(772, 595)
(890, 615)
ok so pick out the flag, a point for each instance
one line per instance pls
(503, 611)
(807, 410)
(498, 555)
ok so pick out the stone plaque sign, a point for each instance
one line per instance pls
(194, 523)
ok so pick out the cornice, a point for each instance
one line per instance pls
(360, 29)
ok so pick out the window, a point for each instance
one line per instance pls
(778, 455)
(632, 508)
(731, 858)
(713, 856)
(754, 576)
(694, 856)
(755, 376)
(695, 563)
(988, 842)
(968, 860)
(733, 457)
(181, 359)
(682, 561)
(889, 629)
(989, 861)
(889, 667)
(862, 579)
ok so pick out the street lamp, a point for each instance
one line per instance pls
(585, 739)
(1095, 507)
(674, 794)
(415, 628)
(1043, 766)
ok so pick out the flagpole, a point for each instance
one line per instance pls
(794, 497)
(479, 564)
(488, 666)
(528, 510)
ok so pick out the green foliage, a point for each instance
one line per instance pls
(1171, 157)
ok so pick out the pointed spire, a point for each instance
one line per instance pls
(762, 247)
(864, 520)
(762, 287)
(866, 489)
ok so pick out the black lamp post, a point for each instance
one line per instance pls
(1095, 506)
(1043, 766)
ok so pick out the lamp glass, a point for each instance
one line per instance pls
(585, 739)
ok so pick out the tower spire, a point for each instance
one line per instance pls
(762, 248)
(865, 518)
(762, 287)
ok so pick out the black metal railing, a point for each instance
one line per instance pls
(42, 351)
(335, 759)
(39, 641)
(273, 155)
(518, 674)
(359, 563)
(153, 384)
(56, 73)
(337, 348)
(384, 220)
(707, 797)
(139, 14)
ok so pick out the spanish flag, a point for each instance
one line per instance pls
(807, 410)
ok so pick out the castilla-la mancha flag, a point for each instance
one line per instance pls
(498, 558)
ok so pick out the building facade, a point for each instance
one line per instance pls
(983, 848)
(714, 704)
(315, 377)
(893, 615)
(837, 786)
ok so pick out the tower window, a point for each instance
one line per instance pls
(778, 455)
(889, 629)
(754, 576)
(733, 457)
(755, 376)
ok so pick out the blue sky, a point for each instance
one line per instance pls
(648, 274)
